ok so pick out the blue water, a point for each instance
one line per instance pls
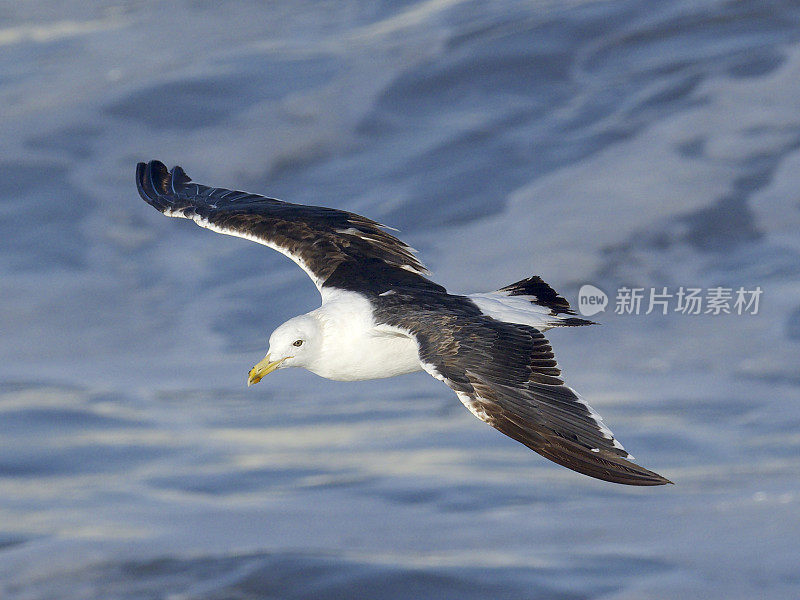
(649, 144)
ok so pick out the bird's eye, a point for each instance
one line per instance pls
(298, 343)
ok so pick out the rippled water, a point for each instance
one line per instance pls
(645, 144)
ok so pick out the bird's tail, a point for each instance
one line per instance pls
(529, 302)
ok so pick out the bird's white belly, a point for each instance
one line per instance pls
(372, 356)
(355, 347)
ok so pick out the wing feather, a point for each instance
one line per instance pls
(506, 375)
(318, 239)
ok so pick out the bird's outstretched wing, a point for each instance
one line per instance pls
(507, 376)
(318, 239)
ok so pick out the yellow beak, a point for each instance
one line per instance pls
(263, 368)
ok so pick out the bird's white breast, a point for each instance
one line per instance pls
(354, 347)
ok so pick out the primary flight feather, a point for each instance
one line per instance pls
(381, 316)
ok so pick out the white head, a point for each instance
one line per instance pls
(296, 343)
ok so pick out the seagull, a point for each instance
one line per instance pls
(381, 316)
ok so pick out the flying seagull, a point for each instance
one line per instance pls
(381, 316)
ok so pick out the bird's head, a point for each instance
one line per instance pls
(293, 344)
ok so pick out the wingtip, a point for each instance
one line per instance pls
(650, 480)
(614, 469)
(150, 180)
(645, 477)
(155, 183)
(637, 475)
(158, 176)
(178, 177)
(654, 481)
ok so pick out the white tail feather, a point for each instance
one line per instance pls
(516, 309)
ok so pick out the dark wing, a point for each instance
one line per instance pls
(507, 376)
(318, 239)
